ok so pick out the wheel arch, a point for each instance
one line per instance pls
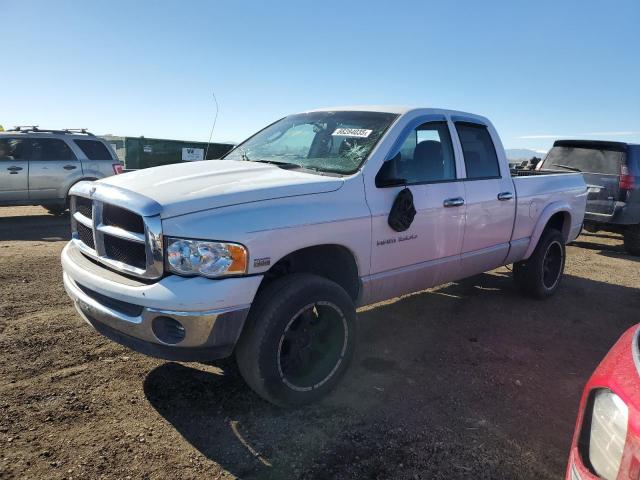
(556, 215)
(332, 261)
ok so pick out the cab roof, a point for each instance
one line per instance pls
(400, 110)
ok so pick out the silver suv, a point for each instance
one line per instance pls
(38, 167)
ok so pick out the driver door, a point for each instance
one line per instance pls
(428, 252)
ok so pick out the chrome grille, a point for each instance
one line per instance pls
(85, 234)
(121, 237)
(125, 251)
(122, 218)
(83, 205)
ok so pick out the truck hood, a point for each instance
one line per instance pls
(190, 187)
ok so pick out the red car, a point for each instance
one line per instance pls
(606, 442)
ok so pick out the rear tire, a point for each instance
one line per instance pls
(57, 210)
(298, 340)
(632, 239)
(539, 276)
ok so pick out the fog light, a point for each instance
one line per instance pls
(168, 330)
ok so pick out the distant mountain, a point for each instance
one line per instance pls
(524, 153)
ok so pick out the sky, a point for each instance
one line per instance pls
(539, 70)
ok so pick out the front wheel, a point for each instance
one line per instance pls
(539, 276)
(298, 340)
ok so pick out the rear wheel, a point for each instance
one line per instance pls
(298, 340)
(57, 210)
(539, 276)
(632, 239)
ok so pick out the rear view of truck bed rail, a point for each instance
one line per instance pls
(531, 173)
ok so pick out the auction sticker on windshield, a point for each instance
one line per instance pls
(352, 132)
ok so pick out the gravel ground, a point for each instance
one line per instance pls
(468, 380)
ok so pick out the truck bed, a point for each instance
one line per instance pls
(537, 188)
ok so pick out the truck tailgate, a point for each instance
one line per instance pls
(603, 192)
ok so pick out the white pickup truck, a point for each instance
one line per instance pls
(266, 253)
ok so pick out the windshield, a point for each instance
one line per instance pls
(587, 160)
(336, 142)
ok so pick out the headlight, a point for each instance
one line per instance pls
(608, 433)
(209, 259)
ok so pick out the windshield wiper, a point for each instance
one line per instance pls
(289, 164)
(275, 162)
(567, 167)
(272, 162)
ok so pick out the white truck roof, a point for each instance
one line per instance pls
(401, 110)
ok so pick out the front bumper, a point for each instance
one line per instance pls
(205, 317)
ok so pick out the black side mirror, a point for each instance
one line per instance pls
(387, 175)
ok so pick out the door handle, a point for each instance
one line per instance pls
(69, 167)
(454, 202)
(505, 196)
(14, 168)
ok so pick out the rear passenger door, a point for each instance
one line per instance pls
(490, 200)
(14, 170)
(53, 167)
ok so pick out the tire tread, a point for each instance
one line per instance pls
(527, 274)
(256, 329)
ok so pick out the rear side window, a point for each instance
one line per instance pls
(49, 149)
(588, 160)
(12, 149)
(480, 156)
(94, 150)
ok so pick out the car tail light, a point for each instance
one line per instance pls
(627, 182)
(117, 168)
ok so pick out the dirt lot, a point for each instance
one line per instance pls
(466, 381)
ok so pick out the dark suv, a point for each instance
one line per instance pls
(611, 171)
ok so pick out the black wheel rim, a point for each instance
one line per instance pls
(312, 346)
(552, 265)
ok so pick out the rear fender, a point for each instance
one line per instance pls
(549, 211)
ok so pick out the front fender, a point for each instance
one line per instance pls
(549, 211)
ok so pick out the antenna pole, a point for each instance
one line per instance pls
(212, 126)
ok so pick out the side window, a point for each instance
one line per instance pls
(12, 149)
(94, 150)
(49, 149)
(480, 156)
(427, 155)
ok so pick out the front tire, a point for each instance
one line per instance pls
(539, 276)
(298, 340)
(632, 239)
